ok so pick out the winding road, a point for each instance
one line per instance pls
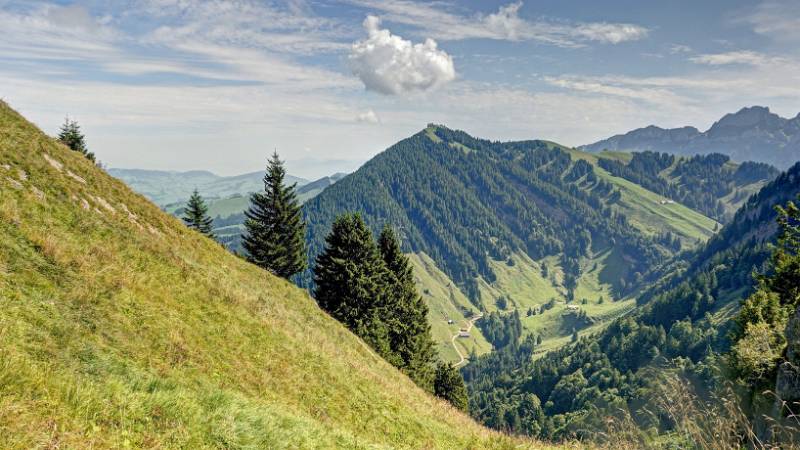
(455, 336)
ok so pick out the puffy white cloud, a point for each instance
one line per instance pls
(368, 116)
(388, 64)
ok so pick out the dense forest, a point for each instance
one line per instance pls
(699, 182)
(683, 326)
(464, 201)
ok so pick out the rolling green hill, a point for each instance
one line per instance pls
(164, 188)
(120, 327)
(228, 212)
(512, 226)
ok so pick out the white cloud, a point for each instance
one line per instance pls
(737, 57)
(778, 19)
(505, 24)
(368, 116)
(391, 65)
(679, 48)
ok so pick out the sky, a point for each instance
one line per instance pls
(219, 85)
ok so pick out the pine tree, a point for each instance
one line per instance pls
(449, 385)
(71, 136)
(196, 215)
(275, 231)
(351, 283)
(407, 314)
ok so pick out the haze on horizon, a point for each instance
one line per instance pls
(177, 85)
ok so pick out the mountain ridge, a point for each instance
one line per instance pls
(750, 134)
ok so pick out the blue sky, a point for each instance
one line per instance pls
(180, 84)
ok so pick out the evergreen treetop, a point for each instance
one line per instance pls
(351, 282)
(409, 330)
(71, 136)
(275, 231)
(449, 385)
(196, 215)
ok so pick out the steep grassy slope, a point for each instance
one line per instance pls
(119, 328)
(447, 303)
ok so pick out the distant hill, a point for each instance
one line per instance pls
(165, 187)
(752, 134)
(512, 226)
(122, 328)
(228, 212)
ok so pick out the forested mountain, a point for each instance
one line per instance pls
(123, 328)
(514, 225)
(711, 184)
(165, 187)
(681, 326)
(751, 134)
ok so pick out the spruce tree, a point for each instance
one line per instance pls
(275, 231)
(449, 385)
(196, 215)
(71, 136)
(407, 318)
(351, 283)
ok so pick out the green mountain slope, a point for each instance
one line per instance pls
(682, 319)
(514, 225)
(120, 327)
(711, 184)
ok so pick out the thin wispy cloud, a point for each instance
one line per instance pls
(777, 19)
(503, 24)
(738, 57)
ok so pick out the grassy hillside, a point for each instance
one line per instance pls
(447, 303)
(120, 328)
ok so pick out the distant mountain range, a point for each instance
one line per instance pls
(165, 187)
(752, 134)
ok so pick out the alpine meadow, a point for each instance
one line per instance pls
(380, 224)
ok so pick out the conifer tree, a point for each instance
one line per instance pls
(196, 215)
(275, 231)
(350, 279)
(407, 318)
(449, 385)
(71, 136)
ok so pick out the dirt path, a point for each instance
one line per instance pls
(455, 336)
